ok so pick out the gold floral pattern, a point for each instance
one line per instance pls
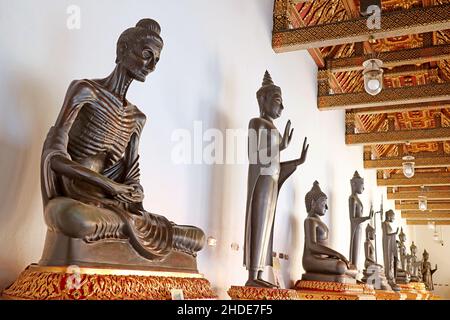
(47, 285)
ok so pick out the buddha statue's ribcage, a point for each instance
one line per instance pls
(103, 129)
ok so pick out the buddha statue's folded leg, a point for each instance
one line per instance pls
(324, 265)
(155, 234)
(188, 239)
(76, 219)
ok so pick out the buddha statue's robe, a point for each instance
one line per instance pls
(265, 179)
(95, 131)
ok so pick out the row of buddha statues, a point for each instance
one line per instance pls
(93, 198)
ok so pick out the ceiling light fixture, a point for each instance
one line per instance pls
(423, 204)
(408, 166)
(373, 76)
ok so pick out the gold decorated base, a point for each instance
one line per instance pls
(256, 293)
(64, 283)
(389, 295)
(415, 291)
(321, 290)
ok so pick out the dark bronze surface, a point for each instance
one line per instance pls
(90, 172)
(427, 272)
(414, 265)
(390, 253)
(320, 262)
(266, 175)
(356, 217)
(403, 276)
(373, 272)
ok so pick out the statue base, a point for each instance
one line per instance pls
(415, 291)
(258, 293)
(310, 276)
(326, 290)
(389, 295)
(82, 283)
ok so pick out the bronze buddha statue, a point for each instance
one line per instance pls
(90, 173)
(390, 253)
(427, 272)
(356, 217)
(266, 175)
(320, 262)
(373, 272)
(415, 264)
(403, 276)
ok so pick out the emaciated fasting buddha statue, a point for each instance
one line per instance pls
(90, 173)
(321, 262)
(266, 175)
(356, 217)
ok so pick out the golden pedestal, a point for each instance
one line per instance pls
(389, 295)
(414, 291)
(256, 293)
(60, 283)
(320, 290)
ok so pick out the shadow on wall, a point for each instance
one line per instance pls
(294, 240)
(23, 123)
(218, 220)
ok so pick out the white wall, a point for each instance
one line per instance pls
(213, 61)
(439, 254)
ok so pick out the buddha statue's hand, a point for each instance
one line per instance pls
(135, 196)
(287, 136)
(305, 148)
(116, 189)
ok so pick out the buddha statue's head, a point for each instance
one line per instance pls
(390, 215)
(425, 255)
(413, 249)
(269, 98)
(316, 200)
(138, 49)
(357, 183)
(402, 235)
(370, 232)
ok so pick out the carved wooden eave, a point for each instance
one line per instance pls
(432, 161)
(413, 206)
(411, 115)
(397, 96)
(402, 108)
(427, 215)
(408, 194)
(419, 179)
(394, 24)
(426, 221)
(398, 136)
(414, 56)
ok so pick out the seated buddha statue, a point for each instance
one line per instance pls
(321, 262)
(373, 272)
(90, 176)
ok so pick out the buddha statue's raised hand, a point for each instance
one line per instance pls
(305, 148)
(287, 136)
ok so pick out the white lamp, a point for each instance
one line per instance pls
(423, 204)
(408, 166)
(373, 76)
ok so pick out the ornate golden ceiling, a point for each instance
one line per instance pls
(416, 51)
